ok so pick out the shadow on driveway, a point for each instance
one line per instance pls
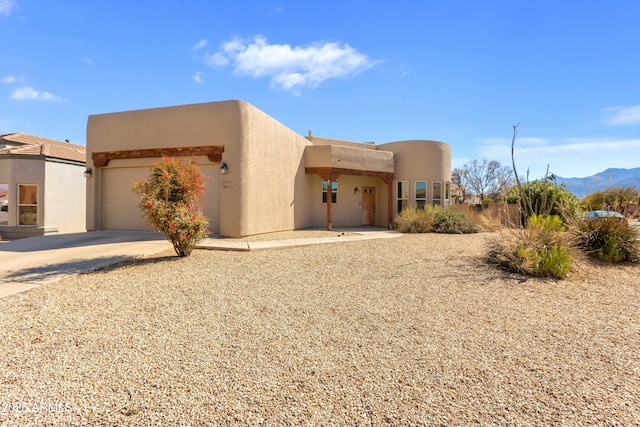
(53, 272)
(76, 240)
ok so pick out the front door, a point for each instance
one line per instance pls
(368, 205)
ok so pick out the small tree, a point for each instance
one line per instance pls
(616, 198)
(486, 179)
(170, 201)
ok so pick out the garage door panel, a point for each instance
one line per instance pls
(120, 205)
(119, 202)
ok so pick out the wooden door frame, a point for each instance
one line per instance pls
(373, 206)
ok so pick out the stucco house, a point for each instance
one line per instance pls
(42, 186)
(262, 176)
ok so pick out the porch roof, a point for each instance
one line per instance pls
(317, 157)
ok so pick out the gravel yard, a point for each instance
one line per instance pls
(415, 330)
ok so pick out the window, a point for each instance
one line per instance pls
(402, 195)
(421, 194)
(334, 191)
(447, 192)
(4, 204)
(27, 204)
(437, 193)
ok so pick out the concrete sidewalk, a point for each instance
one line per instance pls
(354, 234)
(31, 262)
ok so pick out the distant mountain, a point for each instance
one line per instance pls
(611, 177)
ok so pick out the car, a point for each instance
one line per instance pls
(4, 206)
(605, 214)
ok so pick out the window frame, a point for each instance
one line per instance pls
(420, 202)
(436, 201)
(400, 200)
(21, 205)
(334, 192)
(5, 186)
(447, 193)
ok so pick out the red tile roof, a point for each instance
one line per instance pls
(24, 144)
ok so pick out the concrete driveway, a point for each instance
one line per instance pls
(27, 263)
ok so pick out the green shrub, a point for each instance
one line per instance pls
(540, 249)
(449, 220)
(548, 223)
(412, 220)
(545, 198)
(170, 202)
(434, 220)
(608, 239)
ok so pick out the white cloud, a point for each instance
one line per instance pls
(9, 79)
(289, 68)
(568, 158)
(7, 6)
(27, 92)
(198, 77)
(89, 61)
(623, 115)
(201, 43)
(215, 59)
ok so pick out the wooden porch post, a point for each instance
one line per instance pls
(389, 201)
(329, 194)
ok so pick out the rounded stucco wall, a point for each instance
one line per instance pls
(420, 159)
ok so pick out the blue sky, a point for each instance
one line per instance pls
(457, 71)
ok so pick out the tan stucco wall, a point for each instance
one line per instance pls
(273, 195)
(64, 197)
(265, 189)
(317, 140)
(216, 123)
(61, 193)
(23, 171)
(336, 156)
(422, 160)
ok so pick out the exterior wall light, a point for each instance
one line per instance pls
(356, 190)
(224, 169)
(88, 172)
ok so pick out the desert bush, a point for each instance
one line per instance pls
(546, 198)
(412, 220)
(170, 202)
(541, 249)
(451, 221)
(615, 198)
(434, 220)
(608, 239)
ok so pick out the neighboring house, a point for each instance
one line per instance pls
(42, 187)
(262, 176)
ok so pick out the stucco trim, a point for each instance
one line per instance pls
(213, 152)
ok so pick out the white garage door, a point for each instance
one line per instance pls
(120, 205)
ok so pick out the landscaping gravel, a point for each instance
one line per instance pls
(416, 330)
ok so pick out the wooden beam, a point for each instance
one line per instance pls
(389, 202)
(334, 173)
(329, 211)
(213, 152)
